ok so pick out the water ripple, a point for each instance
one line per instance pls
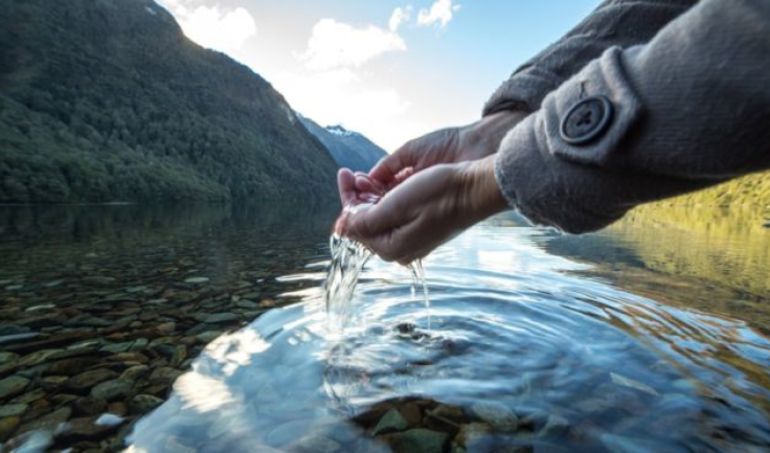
(509, 324)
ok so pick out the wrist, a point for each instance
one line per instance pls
(483, 197)
(488, 132)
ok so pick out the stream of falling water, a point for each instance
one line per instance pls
(348, 260)
(418, 279)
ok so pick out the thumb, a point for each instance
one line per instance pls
(386, 170)
(346, 183)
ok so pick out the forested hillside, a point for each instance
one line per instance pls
(104, 100)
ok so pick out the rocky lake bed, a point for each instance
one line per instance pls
(77, 347)
(102, 308)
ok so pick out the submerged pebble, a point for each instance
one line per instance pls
(391, 421)
(498, 415)
(13, 385)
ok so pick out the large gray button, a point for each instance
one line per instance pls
(586, 120)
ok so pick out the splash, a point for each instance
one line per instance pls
(418, 280)
(348, 260)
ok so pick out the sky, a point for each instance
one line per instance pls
(392, 70)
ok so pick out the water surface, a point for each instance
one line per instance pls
(525, 348)
(536, 340)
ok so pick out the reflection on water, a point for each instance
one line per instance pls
(524, 349)
(710, 260)
(599, 342)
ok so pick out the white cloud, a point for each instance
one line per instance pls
(220, 30)
(399, 16)
(213, 26)
(328, 81)
(335, 44)
(332, 88)
(341, 96)
(440, 13)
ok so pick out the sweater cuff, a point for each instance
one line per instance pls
(555, 165)
(551, 191)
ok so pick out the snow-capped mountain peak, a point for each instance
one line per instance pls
(348, 148)
(339, 131)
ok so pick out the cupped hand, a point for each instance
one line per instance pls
(352, 197)
(445, 146)
(422, 212)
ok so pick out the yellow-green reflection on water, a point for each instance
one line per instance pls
(713, 261)
(710, 259)
(731, 247)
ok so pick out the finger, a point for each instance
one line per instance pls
(402, 175)
(365, 184)
(346, 186)
(366, 197)
(339, 225)
(386, 169)
(342, 225)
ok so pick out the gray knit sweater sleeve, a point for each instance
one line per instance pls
(689, 109)
(621, 23)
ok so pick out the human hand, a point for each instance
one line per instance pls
(445, 146)
(423, 211)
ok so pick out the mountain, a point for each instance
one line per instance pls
(104, 100)
(349, 149)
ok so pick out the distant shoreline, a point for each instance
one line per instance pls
(105, 203)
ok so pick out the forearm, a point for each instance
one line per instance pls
(623, 23)
(690, 109)
(480, 193)
(486, 134)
